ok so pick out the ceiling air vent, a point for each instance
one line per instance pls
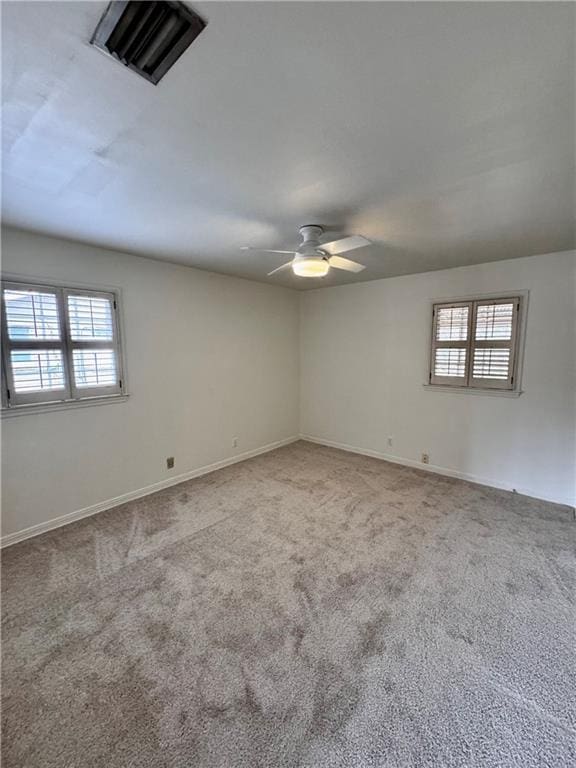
(147, 37)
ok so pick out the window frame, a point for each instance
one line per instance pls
(468, 383)
(71, 395)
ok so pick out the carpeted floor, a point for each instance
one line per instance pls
(307, 608)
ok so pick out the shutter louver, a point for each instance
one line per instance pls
(494, 322)
(37, 370)
(491, 363)
(452, 324)
(31, 315)
(90, 318)
(94, 368)
(450, 362)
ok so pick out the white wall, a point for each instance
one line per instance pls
(208, 357)
(364, 360)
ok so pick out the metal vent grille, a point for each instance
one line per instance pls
(147, 37)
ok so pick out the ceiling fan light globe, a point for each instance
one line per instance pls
(311, 267)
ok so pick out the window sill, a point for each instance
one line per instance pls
(473, 390)
(63, 405)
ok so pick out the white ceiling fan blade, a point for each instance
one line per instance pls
(340, 263)
(262, 250)
(346, 244)
(279, 269)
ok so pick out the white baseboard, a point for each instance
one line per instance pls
(434, 468)
(102, 506)
(58, 522)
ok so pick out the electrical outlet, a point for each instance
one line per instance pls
(170, 462)
(234, 442)
(390, 441)
(425, 458)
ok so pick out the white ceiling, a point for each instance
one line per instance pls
(442, 132)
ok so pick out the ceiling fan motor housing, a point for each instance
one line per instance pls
(310, 246)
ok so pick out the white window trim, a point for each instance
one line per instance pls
(80, 398)
(520, 342)
(61, 405)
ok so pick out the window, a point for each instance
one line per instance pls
(474, 343)
(59, 344)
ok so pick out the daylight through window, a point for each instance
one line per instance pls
(474, 343)
(59, 344)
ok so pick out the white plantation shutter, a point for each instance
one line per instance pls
(58, 344)
(93, 346)
(450, 343)
(494, 343)
(33, 344)
(474, 343)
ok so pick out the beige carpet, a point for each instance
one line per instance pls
(305, 608)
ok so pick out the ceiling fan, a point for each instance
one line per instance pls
(313, 258)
